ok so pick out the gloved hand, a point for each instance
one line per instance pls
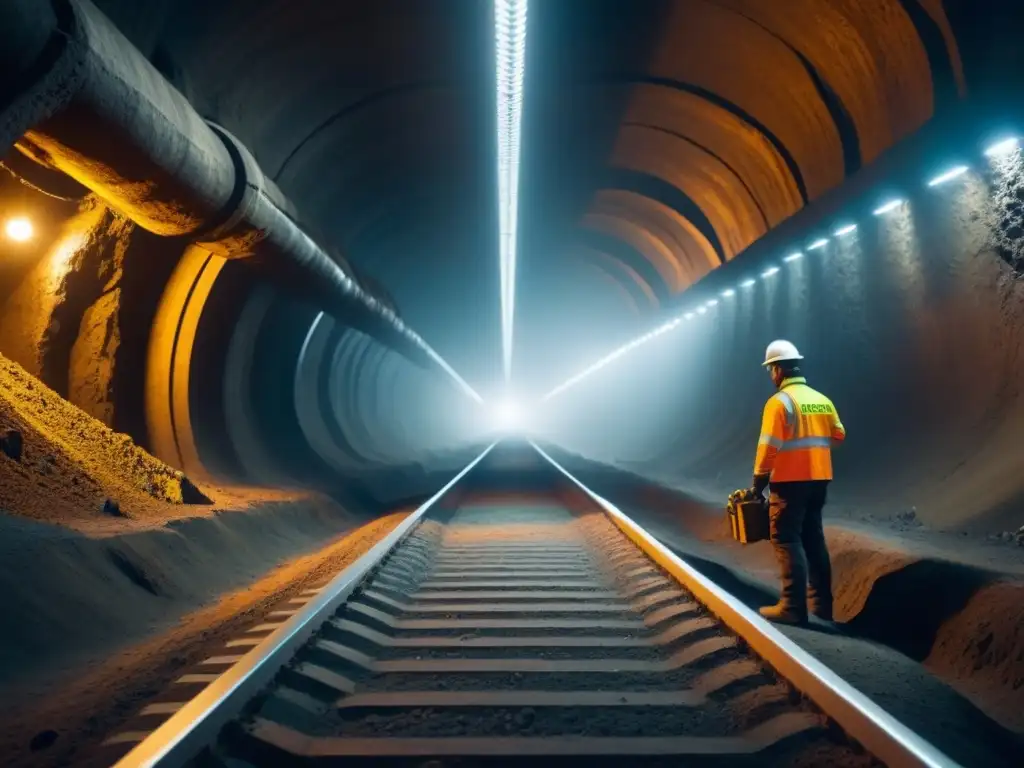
(760, 483)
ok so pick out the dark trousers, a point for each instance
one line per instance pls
(799, 541)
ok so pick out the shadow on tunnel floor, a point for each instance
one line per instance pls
(904, 613)
(924, 594)
(906, 608)
(750, 593)
(899, 614)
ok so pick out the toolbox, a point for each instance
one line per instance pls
(748, 520)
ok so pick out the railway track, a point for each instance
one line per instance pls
(522, 626)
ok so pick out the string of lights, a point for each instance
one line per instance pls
(510, 47)
(1001, 149)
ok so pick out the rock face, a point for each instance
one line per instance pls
(77, 313)
(60, 322)
(61, 458)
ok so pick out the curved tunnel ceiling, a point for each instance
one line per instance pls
(660, 139)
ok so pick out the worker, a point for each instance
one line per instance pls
(794, 456)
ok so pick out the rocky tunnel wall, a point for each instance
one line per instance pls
(129, 301)
(697, 127)
(913, 324)
(205, 363)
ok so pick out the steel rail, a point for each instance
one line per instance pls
(197, 724)
(863, 720)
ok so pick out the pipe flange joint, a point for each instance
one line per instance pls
(230, 234)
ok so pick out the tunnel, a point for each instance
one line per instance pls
(254, 258)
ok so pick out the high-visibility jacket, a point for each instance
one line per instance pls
(798, 428)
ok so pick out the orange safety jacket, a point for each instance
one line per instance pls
(797, 431)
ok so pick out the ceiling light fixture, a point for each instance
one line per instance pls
(19, 229)
(510, 49)
(892, 205)
(610, 358)
(1000, 148)
(952, 173)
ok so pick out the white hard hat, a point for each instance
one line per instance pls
(780, 350)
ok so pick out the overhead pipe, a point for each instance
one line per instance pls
(82, 99)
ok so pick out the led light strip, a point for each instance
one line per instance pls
(510, 46)
(463, 384)
(1001, 149)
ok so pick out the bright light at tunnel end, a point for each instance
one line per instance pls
(510, 50)
(509, 418)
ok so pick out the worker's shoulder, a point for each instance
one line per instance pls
(810, 400)
(780, 399)
(806, 390)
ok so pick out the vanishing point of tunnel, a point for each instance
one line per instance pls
(270, 271)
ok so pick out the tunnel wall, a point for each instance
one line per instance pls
(282, 394)
(913, 325)
(129, 301)
(76, 304)
(198, 359)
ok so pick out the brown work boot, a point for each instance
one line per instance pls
(783, 614)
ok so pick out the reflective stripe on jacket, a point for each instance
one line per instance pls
(797, 431)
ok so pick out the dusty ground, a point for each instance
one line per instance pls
(914, 606)
(110, 687)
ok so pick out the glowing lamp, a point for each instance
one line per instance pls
(19, 229)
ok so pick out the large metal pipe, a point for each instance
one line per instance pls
(81, 98)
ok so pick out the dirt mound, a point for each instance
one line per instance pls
(99, 626)
(101, 591)
(70, 464)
